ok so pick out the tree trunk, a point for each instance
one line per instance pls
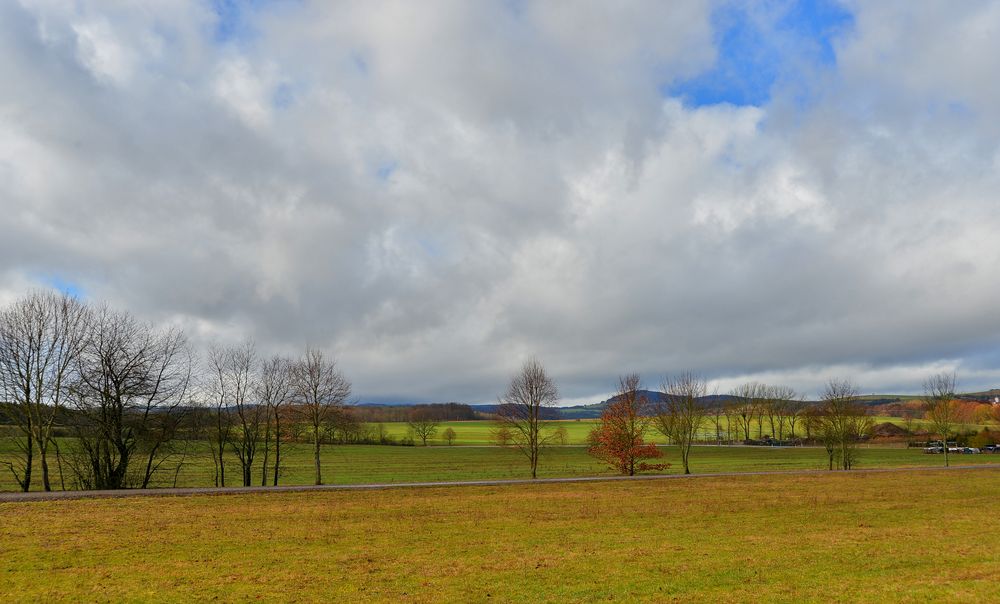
(29, 456)
(45, 469)
(222, 467)
(267, 447)
(277, 450)
(319, 475)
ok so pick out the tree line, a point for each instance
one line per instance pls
(134, 396)
(839, 420)
(442, 412)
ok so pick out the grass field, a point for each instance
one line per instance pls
(917, 537)
(480, 432)
(352, 464)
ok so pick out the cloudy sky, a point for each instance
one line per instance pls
(434, 191)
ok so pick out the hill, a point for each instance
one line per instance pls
(593, 410)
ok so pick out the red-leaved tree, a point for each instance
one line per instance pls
(618, 439)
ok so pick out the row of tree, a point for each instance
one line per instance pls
(249, 396)
(134, 395)
(441, 412)
(911, 411)
(839, 420)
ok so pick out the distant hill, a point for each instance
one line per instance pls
(872, 401)
(593, 410)
(654, 397)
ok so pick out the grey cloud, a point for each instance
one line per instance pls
(544, 198)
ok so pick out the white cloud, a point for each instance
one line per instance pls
(434, 191)
(99, 51)
(248, 93)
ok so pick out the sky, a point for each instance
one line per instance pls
(435, 191)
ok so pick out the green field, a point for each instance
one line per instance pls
(480, 432)
(903, 537)
(353, 464)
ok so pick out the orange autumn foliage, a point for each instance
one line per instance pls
(619, 438)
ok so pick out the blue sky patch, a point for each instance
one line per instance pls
(762, 45)
(234, 18)
(385, 170)
(359, 62)
(283, 96)
(231, 23)
(62, 284)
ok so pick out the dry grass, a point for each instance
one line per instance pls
(836, 537)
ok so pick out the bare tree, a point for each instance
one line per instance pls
(219, 402)
(319, 390)
(273, 391)
(716, 411)
(786, 409)
(560, 436)
(521, 409)
(131, 390)
(241, 373)
(793, 412)
(770, 407)
(745, 405)
(826, 430)
(40, 338)
(909, 416)
(812, 420)
(842, 422)
(20, 467)
(501, 435)
(729, 411)
(449, 436)
(681, 413)
(943, 410)
(422, 423)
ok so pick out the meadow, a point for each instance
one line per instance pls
(354, 464)
(905, 537)
(481, 432)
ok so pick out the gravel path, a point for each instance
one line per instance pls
(181, 492)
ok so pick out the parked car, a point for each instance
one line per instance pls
(970, 450)
(933, 450)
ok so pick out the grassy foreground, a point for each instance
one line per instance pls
(833, 537)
